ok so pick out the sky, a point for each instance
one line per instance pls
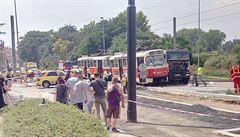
(45, 15)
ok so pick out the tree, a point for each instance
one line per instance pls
(213, 40)
(31, 43)
(119, 44)
(60, 48)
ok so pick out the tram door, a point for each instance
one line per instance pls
(85, 68)
(120, 61)
(100, 68)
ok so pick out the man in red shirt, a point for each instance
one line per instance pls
(235, 76)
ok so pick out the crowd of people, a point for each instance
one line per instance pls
(5, 87)
(84, 95)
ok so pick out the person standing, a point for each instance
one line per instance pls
(200, 74)
(124, 83)
(114, 97)
(99, 86)
(68, 75)
(2, 91)
(80, 94)
(235, 76)
(62, 92)
(71, 82)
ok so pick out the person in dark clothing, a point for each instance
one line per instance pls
(62, 92)
(68, 75)
(2, 90)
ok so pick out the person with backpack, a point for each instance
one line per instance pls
(99, 86)
(62, 91)
(114, 98)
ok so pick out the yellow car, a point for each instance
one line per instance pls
(47, 78)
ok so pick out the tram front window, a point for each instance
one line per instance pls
(155, 60)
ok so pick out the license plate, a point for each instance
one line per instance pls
(177, 74)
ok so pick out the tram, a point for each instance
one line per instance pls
(152, 66)
(90, 65)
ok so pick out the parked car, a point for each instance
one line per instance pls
(48, 78)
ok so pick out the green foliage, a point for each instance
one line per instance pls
(28, 119)
(203, 57)
(219, 65)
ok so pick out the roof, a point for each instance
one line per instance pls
(118, 55)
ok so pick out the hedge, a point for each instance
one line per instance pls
(29, 119)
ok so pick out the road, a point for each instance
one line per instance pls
(169, 111)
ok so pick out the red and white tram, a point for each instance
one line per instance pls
(118, 65)
(152, 67)
(91, 65)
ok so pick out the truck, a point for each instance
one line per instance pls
(179, 62)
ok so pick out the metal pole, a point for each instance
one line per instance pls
(103, 29)
(131, 112)
(19, 60)
(198, 31)
(174, 33)
(13, 43)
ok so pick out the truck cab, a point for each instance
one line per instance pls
(179, 62)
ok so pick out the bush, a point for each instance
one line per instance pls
(203, 57)
(219, 65)
(28, 119)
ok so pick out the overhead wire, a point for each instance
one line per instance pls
(205, 11)
(203, 20)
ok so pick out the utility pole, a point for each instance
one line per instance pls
(15, 7)
(1, 55)
(174, 33)
(13, 44)
(198, 31)
(103, 31)
(2, 49)
(131, 34)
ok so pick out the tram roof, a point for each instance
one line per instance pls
(144, 53)
(100, 57)
(84, 58)
(118, 55)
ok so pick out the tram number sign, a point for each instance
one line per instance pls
(142, 67)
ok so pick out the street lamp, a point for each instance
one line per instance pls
(103, 31)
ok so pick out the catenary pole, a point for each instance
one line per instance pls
(17, 33)
(174, 33)
(13, 44)
(199, 37)
(131, 36)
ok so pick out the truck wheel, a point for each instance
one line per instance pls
(46, 84)
(185, 81)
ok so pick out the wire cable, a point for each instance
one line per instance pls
(181, 17)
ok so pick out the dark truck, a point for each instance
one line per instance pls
(179, 62)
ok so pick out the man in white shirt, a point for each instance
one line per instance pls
(71, 82)
(82, 95)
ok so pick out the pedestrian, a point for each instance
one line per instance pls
(114, 97)
(200, 75)
(62, 91)
(124, 83)
(71, 82)
(2, 91)
(99, 86)
(68, 75)
(82, 95)
(194, 75)
(235, 76)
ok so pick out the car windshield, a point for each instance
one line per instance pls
(178, 56)
(155, 60)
